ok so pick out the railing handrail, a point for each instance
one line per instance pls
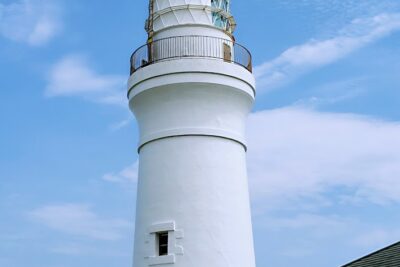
(146, 58)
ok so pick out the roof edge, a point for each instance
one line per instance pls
(371, 254)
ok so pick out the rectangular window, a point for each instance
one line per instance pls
(162, 243)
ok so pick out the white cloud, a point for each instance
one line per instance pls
(128, 175)
(31, 21)
(73, 76)
(301, 59)
(300, 156)
(80, 220)
(319, 179)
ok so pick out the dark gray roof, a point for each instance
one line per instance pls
(386, 257)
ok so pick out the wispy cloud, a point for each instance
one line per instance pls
(377, 237)
(128, 175)
(301, 156)
(80, 220)
(341, 8)
(88, 250)
(334, 92)
(307, 220)
(73, 249)
(314, 54)
(121, 124)
(73, 76)
(34, 22)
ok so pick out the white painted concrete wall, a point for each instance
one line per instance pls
(191, 115)
(197, 182)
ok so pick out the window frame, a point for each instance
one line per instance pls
(164, 244)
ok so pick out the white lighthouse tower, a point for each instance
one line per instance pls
(191, 89)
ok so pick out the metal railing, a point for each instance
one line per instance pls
(192, 46)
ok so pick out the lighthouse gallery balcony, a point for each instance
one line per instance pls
(193, 46)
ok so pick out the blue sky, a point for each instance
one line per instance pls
(324, 135)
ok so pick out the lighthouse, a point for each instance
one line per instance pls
(191, 89)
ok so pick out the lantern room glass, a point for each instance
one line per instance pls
(219, 14)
